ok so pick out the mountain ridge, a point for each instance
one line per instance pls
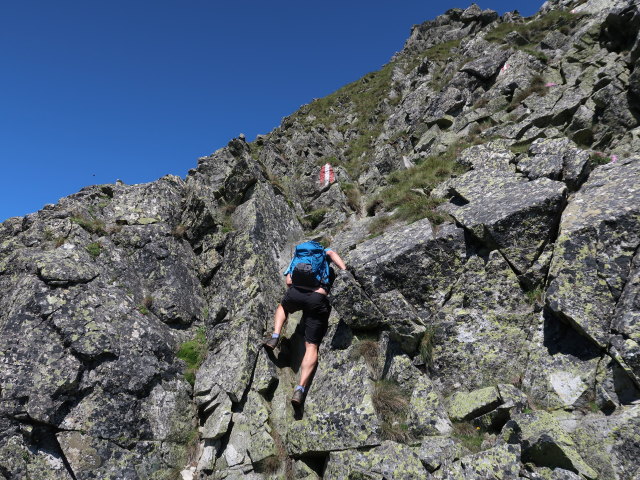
(487, 204)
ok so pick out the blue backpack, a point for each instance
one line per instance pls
(309, 267)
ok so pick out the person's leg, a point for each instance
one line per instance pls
(279, 318)
(309, 363)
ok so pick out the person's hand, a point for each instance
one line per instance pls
(288, 280)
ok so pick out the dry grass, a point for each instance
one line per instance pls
(91, 225)
(368, 350)
(354, 199)
(391, 405)
(427, 343)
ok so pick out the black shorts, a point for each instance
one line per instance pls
(315, 311)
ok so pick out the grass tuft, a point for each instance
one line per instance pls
(94, 249)
(598, 158)
(193, 353)
(425, 349)
(315, 218)
(471, 437)
(91, 225)
(535, 296)
(179, 231)
(534, 31)
(368, 350)
(408, 190)
(391, 405)
(352, 192)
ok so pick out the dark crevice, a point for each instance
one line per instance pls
(206, 280)
(316, 463)
(563, 335)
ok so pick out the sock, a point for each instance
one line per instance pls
(299, 387)
(275, 335)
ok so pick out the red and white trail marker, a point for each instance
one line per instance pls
(326, 175)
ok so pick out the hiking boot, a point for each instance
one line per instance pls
(271, 343)
(297, 398)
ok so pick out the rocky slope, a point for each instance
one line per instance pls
(487, 203)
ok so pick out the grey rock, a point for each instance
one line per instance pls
(384, 263)
(498, 222)
(402, 320)
(487, 67)
(339, 411)
(437, 451)
(91, 458)
(500, 462)
(389, 460)
(355, 307)
(217, 424)
(427, 415)
(486, 318)
(545, 443)
(493, 155)
(562, 365)
(265, 376)
(557, 159)
(230, 363)
(626, 323)
(477, 184)
(594, 250)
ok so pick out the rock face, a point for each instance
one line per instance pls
(487, 204)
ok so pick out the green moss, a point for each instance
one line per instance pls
(94, 249)
(193, 353)
(143, 310)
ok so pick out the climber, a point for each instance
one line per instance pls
(308, 282)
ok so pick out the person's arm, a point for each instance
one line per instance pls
(289, 283)
(335, 258)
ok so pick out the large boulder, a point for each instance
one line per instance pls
(626, 324)
(599, 236)
(519, 219)
(486, 320)
(430, 259)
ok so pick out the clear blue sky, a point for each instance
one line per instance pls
(93, 91)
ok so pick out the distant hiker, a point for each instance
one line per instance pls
(308, 280)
